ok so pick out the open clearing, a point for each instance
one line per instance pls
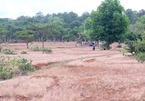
(76, 74)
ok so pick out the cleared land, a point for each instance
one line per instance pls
(76, 74)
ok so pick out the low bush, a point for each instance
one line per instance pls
(46, 50)
(36, 48)
(104, 46)
(140, 57)
(10, 67)
(119, 46)
(25, 66)
(8, 51)
(23, 52)
(5, 70)
(1, 49)
(6, 73)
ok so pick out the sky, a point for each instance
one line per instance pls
(15, 8)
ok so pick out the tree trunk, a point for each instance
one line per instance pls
(27, 45)
(76, 44)
(43, 44)
(42, 41)
(54, 39)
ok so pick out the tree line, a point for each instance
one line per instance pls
(109, 23)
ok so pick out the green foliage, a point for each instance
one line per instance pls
(5, 70)
(119, 46)
(5, 74)
(23, 52)
(140, 25)
(8, 66)
(8, 51)
(36, 48)
(109, 22)
(1, 49)
(25, 66)
(131, 47)
(139, 46)
(140, 57)
(132, 15)
(44, 50)
(3, 32)
(105, 46)
(25, 35)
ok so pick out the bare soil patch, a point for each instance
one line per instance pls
(76, 74)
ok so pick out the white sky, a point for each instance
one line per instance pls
(16, 8)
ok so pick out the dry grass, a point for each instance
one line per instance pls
(78, 74)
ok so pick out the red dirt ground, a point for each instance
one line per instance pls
(76, 74)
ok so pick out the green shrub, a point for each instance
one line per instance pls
(5, 70)
(23, 52)
(46, 50)
(140, 57)
(10, 67)
(139, 46)
(105, 46)
(119, 46)
(1, 49)
(36, 48)
(8, 51)
(25, 66)
(5, 75)
(131, 47)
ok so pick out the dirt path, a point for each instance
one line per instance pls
(78, 74)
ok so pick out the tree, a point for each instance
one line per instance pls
(74, 24)
(56, 27)
(140, 25)
(141, 12)
(109, 22)
(85, 29)
(25, 35)
(41, 30)
(3, 31)
(84, 16)
(132, 15)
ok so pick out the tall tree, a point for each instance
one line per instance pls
(56, 27)
(41, 30)
(140, 25)
(141, 12)
(132, 15)
(109, 22)
(3, 32)
(25, 35)
(84, 16)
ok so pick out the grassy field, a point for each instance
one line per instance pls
(72, 73)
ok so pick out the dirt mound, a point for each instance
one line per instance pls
(90, 60)
(41, 65)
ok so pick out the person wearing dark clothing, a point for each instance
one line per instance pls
(93, 47)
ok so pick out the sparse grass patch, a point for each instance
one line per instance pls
(119, 46)
(1, 49)
(35, 48)
(23, 52)
(44, 50)
(8, 51)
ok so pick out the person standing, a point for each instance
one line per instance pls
(93, 47)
